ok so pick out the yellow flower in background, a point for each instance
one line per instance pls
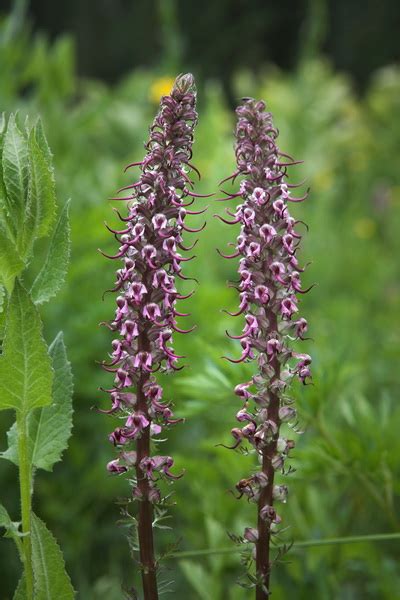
(160, 87)
(364, 228)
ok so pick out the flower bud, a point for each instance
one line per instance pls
(280, 493)
(251, 535)
(287, 413)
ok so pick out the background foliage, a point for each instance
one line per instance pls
(347, 478)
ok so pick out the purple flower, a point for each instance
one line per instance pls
(251, 535)
(114, 467)
(150, 260)
(270, 282)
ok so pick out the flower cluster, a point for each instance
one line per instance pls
(269, 287)
(146, 312)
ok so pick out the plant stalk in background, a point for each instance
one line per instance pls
(269, 287)
(145, 319)
(35, 380)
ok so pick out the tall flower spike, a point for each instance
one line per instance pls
(145, 319)
(269, 288)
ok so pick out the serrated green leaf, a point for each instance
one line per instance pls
(3, 206)
(43, 144)
(5, 519)
(20, 592)
(51, 579)
(52, 274)
(41, 200)
(11, 527)
(15, 161)
(43, 180)
(11, 453)
(11, 264)
(49, 428)
(26, 375)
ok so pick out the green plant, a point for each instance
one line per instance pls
(349, 145)
(35, 380)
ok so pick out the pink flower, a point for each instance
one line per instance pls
(150, 248)
(269, 274)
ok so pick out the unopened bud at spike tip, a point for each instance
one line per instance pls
(184, 84)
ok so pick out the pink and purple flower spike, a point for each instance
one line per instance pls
(150, 251)
(269, 287)
(146, 304)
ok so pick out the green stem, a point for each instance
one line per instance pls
(354, 539)
(25, 492)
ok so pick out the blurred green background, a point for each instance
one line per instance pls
(94, 71)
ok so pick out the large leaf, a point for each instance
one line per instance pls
(51, 579)
(15, 161)
(26, 376)
(41, 201)
(52, 274)
(49, 428)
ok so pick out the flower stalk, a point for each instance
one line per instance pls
(145, 320)
(269, 288)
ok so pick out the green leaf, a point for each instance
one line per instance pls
(41, 201)
(11, 264)
(15, 160)
(3, 199)
(43, 144)
(52, 274)
(2, 312)
(26, 376)
(11, 527)
(51, 579)
(20, 592)
(49, 428)
(5, 518)
(198, 578)
(54, 423)
(2, 297)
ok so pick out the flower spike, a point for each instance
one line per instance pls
(145, 317)
(269, 286)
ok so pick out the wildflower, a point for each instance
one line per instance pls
(161, 87)
(270, 282)
(145, 317)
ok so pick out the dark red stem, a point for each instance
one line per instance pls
(263, 566)
(145, 516)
